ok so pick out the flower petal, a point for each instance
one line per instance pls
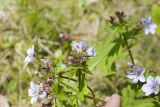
(156, 90)
(34, 99)
(152, 26)
(150, 80)
(91, 51)
(32, 85)
(157, 80)
(131, 76)
(146, 31)
(43, 95)
(135, 80)
(142, 78)
(147, 89)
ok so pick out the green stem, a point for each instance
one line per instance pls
(92, 95)
(96, 99)
(67, 78)
(79, 79)
(128, 49)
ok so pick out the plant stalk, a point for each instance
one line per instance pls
(128, 49)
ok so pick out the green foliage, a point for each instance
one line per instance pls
(129, 99)
(156, 16)
(39, 23)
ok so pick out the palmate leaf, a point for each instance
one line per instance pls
(129, 99)
(101, 54)
(83, 88)
(107, 55)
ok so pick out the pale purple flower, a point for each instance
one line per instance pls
(33, 92)
(149, 26)
(78, 46)
(30, 55)
(137, 74)
(91, 51)
(43, 96)
(152, 86)
(130, 65)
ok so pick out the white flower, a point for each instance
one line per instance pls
(33, 92)
(30, 55)
(91, 51)
(138, 74)
(78, 46)
(152, 86)
(43, 95)
(149, 27)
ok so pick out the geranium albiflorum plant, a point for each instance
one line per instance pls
(56, 78)
(127, 35)
(63, 82)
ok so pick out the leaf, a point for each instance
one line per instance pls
(129, 100)
(82, 88)
(101, 53)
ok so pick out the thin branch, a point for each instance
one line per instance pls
(92, 95)
(128, 49)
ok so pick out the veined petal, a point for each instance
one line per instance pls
(152, 31)
(91, 51)
(142, 78)
(157, 80)
(32, 85)
(146, 20)
(135, 80)
(152, 26)
(146, 31)
(34, 99)
(28, 59)
(30, 51)
(131, 76)
(43, 95)
(156, 90)
(150, 80)
(149, 19)
(147, 89)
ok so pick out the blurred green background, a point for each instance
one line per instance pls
(24, 23)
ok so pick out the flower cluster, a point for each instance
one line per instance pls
(137, 74)
(35, 91)
(81, 46)
(151, 86)
(149, 26)
(43, 90)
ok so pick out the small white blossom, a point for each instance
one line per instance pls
(30, 55)
(130, 65)
(91, 51)
(43, 95)
(137, 74)
(33, 92)
(149, 27)
(152, 86)
(78, 46)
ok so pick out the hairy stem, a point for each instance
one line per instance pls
(128, 48)
(79, 79)
(67, 78)
(92, 95)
